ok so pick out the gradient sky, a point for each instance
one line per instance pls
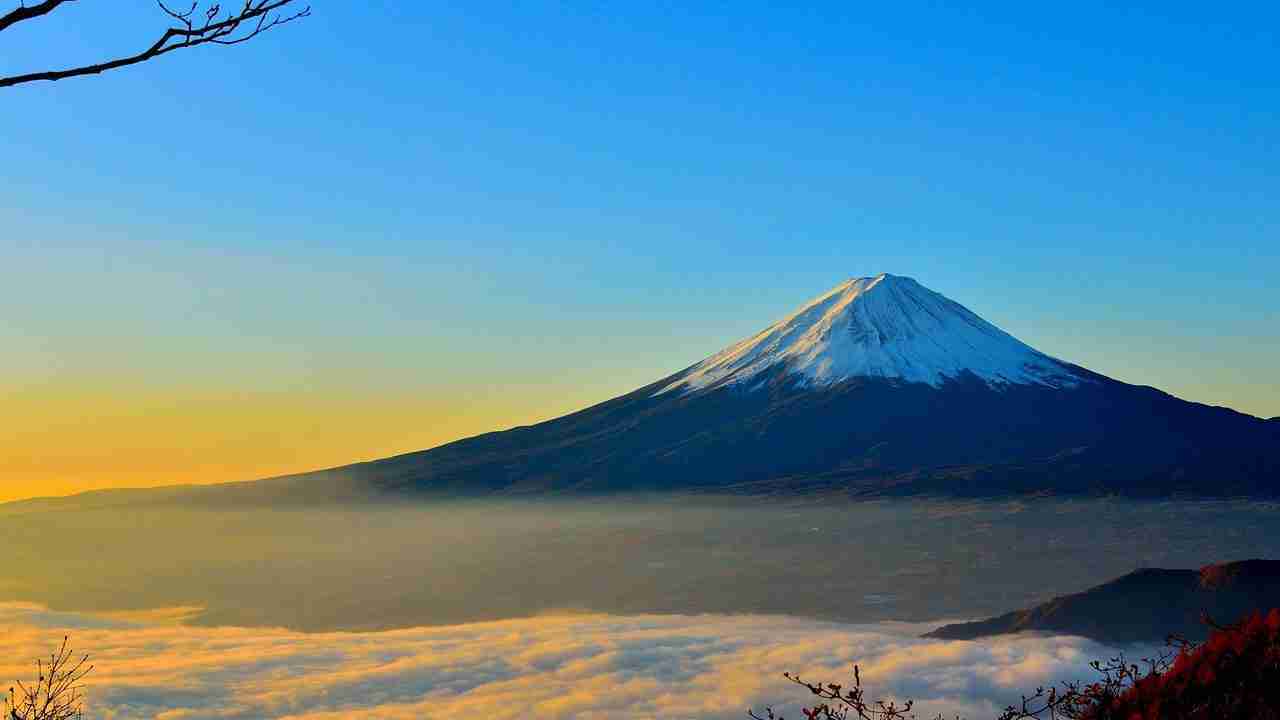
(394, 224)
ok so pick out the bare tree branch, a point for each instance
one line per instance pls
(56, 693)
(22, 12)
(253, 19)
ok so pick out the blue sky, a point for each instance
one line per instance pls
(553, 203)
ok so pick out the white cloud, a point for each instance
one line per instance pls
(562, 667)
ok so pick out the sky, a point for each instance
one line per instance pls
(391, 225)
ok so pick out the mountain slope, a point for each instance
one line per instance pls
(866, 436)
(1144, 606)
(877, 387)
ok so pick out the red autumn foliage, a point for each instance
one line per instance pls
(1233, 674)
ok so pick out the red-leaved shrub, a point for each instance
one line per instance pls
(1233, 674)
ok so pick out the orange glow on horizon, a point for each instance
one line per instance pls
(68, 438)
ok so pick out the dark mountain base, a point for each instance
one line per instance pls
(860, 437)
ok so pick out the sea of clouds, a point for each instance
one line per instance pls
(151, 665)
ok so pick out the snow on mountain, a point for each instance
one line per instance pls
(885, 326)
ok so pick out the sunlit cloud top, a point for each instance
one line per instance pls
(556, 668)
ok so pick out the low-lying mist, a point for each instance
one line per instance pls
(579, 667)
(377, 567)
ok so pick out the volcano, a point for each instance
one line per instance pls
(879, 386)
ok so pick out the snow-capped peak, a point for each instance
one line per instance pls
(885, 326)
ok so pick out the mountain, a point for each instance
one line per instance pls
(878, 387)
(1144, 606)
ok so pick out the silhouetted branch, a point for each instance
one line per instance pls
(22, 12)
(840, 702)
(55, 694)
(253, 19)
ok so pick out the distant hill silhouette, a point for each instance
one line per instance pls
(1145, 605)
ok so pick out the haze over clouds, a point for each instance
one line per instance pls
(588, 666)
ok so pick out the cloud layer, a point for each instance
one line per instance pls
(562, 667)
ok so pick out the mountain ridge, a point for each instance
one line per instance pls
(1145, 605)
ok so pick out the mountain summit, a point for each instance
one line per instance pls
(877, 387)
(885, 326)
